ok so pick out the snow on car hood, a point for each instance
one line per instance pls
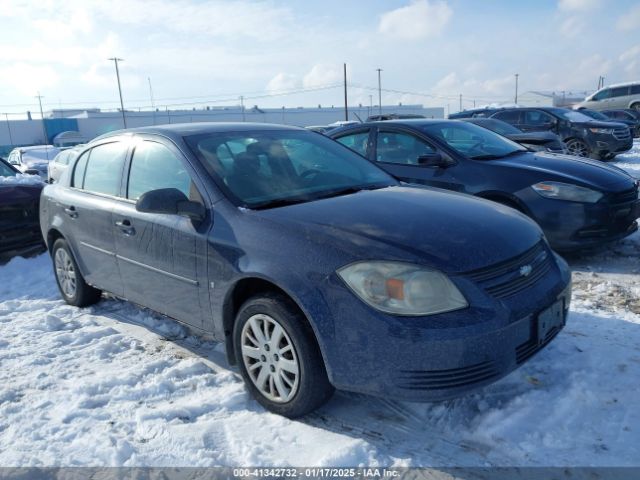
(21, 179)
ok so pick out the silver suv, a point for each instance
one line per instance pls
(623, 95)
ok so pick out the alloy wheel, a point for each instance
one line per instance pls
(65, 272)
(270, 358)
(577, 148)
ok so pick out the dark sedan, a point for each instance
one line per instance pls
(577, 202)
(584, 136)
(19, 225)
(537, 141)
(317, 268)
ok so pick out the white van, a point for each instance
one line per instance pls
(622, 95)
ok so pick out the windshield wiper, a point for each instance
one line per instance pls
(495, 157)
(283, 202)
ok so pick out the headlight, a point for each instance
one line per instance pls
(402, 289)
(566, 191)
(606, 131)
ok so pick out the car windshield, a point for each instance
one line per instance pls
(6, 171)
(596, 115)
(473, 141)
(573, 116)
(270, 168)
(498, 126)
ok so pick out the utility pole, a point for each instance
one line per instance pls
(153, 104)
(44, 126)
(460, 102)
(517, 75)
(379, 91)
(242, 106)
(6, 116)
(346, 107)
(116, 60)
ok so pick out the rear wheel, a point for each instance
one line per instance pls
(577, 148)
(280, 362)
(74, 290)
(636, 106)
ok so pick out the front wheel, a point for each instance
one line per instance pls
(280, 360)
(578, 148)
(74, 290)
(636, 106)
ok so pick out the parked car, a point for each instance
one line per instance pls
(627, 116)
(623, 95)
(59, 164)
(583, 136)
(578, 203)
(36, 157)
(317, 268)
(537, 141)
(393, 116)
(320, 128)
(602, 116)
(473, 113)
(19, 225)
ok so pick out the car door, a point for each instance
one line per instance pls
(397, 151)
(619, 97)
(512, 117)
(87, 208)
(537, 121)
(601, 100)
(162, 257)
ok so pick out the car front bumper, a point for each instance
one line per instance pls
(447, 355)
(607, 145)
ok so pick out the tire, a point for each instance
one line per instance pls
(293, 381)
(635, 106)
(577, 148)
(74, 290)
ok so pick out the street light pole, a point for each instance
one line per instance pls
(44, 126)
(379, 91)
(116, 60)
(6, 116)
(517, 75)
(346, 108)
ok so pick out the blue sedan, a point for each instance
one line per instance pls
(315, 267)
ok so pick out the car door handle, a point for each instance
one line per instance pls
(71, 211)
(125, 227)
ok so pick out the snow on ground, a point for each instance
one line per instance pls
(630, 161)
(114, 384)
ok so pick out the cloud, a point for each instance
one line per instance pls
(283, 82)
(420, 19)
(28, 79)
(630, 59)
(630, 20)
(572, 27)
(579, 5)
(323, 74)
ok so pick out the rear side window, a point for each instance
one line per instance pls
(104, 168)
(356, 142)
(511, 117)
(536, 117)
(79, 170)
(397, 147)
(619, 91)
(154, 166)
(634, 90)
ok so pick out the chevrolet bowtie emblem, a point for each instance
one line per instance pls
(525, 270)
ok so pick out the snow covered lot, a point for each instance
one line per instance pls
(116, 385)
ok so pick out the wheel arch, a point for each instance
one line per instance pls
(507, 199)
(239, 293)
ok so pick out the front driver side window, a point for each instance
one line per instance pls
(153, 167)
(602, 95)
(398, 147)
(356, 141)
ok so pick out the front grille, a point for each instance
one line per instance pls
(527, 349)
(450, 378)
(512, 276)
(622, 133)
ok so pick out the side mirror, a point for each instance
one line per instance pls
(170, 201)
(433, 160)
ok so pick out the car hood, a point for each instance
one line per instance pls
(591, 173)
(600, 124)
(533, 137)
(449, 231)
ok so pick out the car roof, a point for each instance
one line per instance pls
(175, 130)
(36, 147)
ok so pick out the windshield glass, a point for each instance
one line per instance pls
(261, 169)
(6, 171)
(473, 141)
(596, 115)
(574, 116)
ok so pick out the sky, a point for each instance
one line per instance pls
(274, 53)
